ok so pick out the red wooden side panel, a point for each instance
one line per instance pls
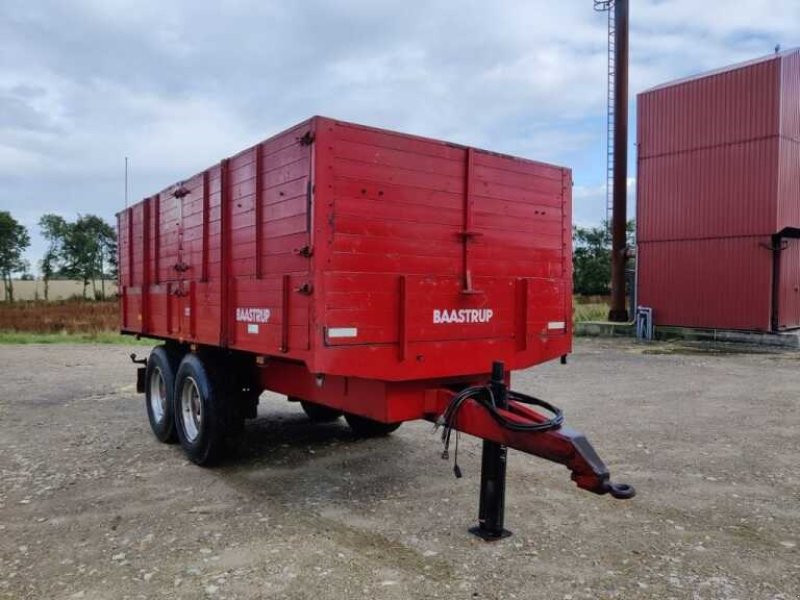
(432, 249)
(224, 253)
(123, 272)
(360, 252)
(131, 259)
(717, 283)
(270, 221)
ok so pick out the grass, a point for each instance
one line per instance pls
(73, 321)
(100, 337)
(590, 312)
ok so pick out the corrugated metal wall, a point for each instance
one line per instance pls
(718, 175)
(728, 107)
(720, 283)
(720, 191)
(790, 93)
(789, 289)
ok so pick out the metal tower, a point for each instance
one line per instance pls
(617, 149)
(607, 6)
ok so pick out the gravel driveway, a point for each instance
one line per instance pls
(92, 506)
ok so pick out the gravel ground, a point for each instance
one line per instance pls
(91, 506)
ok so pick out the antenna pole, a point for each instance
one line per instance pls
(126, 182)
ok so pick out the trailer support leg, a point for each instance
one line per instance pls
(491, 510)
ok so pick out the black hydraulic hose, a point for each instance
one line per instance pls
(553, 422)
(483, 395)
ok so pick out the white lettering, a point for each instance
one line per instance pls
(253, 315)
(462, 315)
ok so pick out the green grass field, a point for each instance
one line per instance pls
(590, 312)
(102, 337)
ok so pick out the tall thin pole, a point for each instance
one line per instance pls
(126, 182)
(619, 214)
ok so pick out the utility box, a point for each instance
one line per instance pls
(718, 197)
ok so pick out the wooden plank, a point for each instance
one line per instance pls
(146, 226)
(206, 228)
(402, 318)
(157, 238)
(259, 210)
(131, 282)
(225, 242)
(521, 306)
(285, 316)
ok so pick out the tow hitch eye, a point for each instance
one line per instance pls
(622, 491)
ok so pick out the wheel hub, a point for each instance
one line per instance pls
(158, 395)
(191, 409)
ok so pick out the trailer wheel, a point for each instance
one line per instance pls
(158, 393)
(319, 413)
(364, 427)
(205, 422)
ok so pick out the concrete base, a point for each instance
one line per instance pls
(604, 329)
(786, 339)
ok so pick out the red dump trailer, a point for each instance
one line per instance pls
(365, 273)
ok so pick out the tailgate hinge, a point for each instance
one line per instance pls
(307, 139)
(305, 288)
(180, 191)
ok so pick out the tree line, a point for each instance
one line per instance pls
(86, 249)
(591, 259)
(83, 249)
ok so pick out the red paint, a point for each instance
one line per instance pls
(722, 283)
(362, 229)
(718, 175)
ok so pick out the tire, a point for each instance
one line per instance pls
(364, 427)
(159, 390)
(319, 413)
(206, 421)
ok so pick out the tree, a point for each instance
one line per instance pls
(85, 249)
(591, 259)
(54, 230)
(14, 239)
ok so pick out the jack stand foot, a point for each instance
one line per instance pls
(491, 512)
(488, 536)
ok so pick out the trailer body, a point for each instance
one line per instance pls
(353, 252)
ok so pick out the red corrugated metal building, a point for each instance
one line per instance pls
(718, 197)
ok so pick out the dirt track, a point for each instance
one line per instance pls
(91, 506)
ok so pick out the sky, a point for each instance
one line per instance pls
(177, 85)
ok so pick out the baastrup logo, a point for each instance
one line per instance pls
(253, 315)
(463, 315)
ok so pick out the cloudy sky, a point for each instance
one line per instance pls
(176, 85)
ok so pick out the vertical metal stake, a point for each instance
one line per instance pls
(491, 511)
